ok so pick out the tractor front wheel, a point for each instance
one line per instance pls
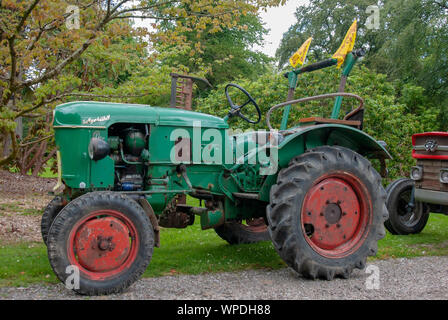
(327, 212)
(405, 216)
(100, 243)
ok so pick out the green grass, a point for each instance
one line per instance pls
(193, 251)
(432, 241)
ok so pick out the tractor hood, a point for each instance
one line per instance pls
(104, 114)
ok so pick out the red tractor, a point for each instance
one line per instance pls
(410, 200)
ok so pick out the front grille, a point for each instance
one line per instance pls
(431, 174)
(430, 145)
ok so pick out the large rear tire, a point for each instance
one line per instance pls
(107, 237)
(327, 212)
(403, 219)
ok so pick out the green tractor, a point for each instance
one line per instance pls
(308, 188)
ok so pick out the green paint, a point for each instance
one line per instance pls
(292, 81)
(349, 63)
(210, 219)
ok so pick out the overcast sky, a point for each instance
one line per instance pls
(278, 20)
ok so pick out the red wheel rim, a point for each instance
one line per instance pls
(336, 214)
(103, 244)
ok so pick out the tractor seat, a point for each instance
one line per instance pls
(317, 120)
(354, 118)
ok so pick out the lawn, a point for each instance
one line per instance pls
(193, 251)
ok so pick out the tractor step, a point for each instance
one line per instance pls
(251, 196)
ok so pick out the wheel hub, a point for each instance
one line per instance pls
(102, 244)
(332, 213)
(331, 216)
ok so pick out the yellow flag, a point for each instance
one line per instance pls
(299, 57)
(347, 45)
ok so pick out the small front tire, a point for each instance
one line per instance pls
(403, 219)
(105, 236)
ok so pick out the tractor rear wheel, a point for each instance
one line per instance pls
(404, 219)
(327, 212)
(105, 238)
(237, 232)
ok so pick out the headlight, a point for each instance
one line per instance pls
(98, 149)
(444, 175)
(416, 173)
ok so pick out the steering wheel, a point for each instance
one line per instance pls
(235, 109)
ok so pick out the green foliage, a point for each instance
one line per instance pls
(410, 47)
(327, 21)
(221, 56)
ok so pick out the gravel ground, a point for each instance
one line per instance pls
(22, 199)
(418, 278)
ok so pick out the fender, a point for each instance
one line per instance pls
(307, 138)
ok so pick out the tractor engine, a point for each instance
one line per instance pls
(128, 148)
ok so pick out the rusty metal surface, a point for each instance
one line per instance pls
(102, 244)
(152, 217)
(431, 175)
(335, 214)
(430, 145)
(174, 218)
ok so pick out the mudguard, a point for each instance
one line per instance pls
(306, 138)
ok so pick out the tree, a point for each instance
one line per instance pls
(37, 43)
(327, 21)
(225, 55)
(411, 45)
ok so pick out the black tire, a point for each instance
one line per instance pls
(235, 232)
(68, 231)
(290, 206)
(387, 223)
(401, 221)
(50, 212)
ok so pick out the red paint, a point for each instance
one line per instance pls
(103, 244)
(415, 155)
(339, 209)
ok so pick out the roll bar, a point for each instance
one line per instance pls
(319, 97)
